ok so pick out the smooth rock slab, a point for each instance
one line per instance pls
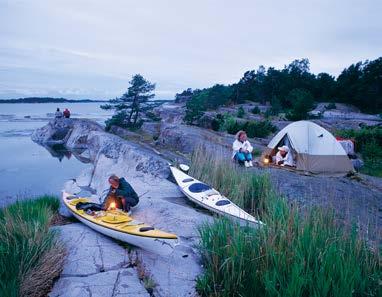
(95, 266)
(163, 206)
(123, 282)
(175, 274)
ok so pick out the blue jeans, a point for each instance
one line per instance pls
(241, 157)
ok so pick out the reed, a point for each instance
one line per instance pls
(295, 254)
(30, 254)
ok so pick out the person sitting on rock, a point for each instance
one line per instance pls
(66, 113)
(242, 149)
(121, 193)
(284, 156)
(58, 114)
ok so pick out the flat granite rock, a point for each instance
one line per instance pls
(174, 274)
(95, 266)
(161, 205)
(123, 282)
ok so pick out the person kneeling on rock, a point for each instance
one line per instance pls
(121, 193)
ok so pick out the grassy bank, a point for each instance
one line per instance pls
(30, 254)
(296, 254)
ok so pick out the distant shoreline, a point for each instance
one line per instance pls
(61, 100)
(49, 100)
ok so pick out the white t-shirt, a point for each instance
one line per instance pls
(237, 145)
(288, 159)
(58, 114)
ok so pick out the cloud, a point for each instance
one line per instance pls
(94, 45)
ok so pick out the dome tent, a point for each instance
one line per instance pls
(314, 149)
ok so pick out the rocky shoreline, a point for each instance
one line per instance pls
(140, 158)
(161, 205)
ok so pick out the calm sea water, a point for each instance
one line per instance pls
(27, 169)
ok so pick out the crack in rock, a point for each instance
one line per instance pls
(116, 284)
(87, 288)
(102, 268)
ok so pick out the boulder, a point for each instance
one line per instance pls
(123, 133)
(151, 128)
(171, 112)
(186, 139)
(70, 132)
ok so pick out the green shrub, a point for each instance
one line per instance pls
(372, 155)
(268, 113)
(30, 255)
(363, 136)
(368, 142)
(231, 125)
(152, 116)
(120, 119)
(276, 106)
(217, 122)
(256, 110)
(240, 112)
(195, 108)
(294, 254)
(302, 102)
(253, 128)
(259, 129)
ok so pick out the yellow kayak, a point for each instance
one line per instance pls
(119, 225)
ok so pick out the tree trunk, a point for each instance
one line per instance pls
(130, 115)
(133, 108)
(136, 116)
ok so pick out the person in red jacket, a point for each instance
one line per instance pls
(66, 113)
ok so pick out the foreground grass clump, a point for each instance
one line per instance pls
(295, 254)
(30, 254)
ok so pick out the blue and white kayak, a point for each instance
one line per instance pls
(209, 198)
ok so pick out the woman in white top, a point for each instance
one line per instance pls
(242, 149)
(284, 157)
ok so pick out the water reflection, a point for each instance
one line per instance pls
(60, 152)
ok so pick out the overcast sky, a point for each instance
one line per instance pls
(91, 48)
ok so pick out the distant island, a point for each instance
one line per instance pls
(48, 100)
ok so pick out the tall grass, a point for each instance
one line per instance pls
(295, 254)
(244, 188)
(30, 255)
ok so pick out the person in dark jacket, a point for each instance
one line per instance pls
(122, 193)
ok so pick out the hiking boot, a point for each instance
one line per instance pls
(246, 164)
(250, 163)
